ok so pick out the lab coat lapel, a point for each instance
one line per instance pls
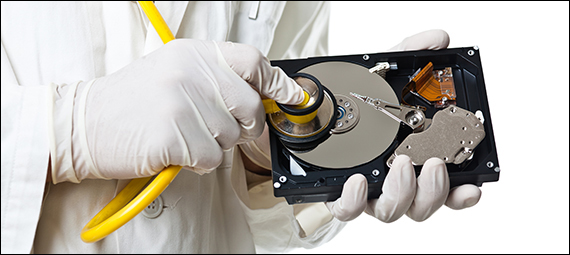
(172, 13)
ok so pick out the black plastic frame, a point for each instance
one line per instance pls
(325, 184)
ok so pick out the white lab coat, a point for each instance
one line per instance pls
(64, 42)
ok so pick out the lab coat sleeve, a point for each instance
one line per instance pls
(278, 229)
(276, 226)
(25, 156)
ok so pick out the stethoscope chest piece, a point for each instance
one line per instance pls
(303, 128)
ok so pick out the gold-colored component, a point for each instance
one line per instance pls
(301, 119)
(426, 85)
(434, 86)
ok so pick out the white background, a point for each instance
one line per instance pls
(524, 53)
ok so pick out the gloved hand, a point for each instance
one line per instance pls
(182, 104)
(402, 193)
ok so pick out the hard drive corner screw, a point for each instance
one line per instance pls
(497, 169)
(277, 185)
(471, 53)
(490, 164)
(366, 57)
(476, 47)
(283, 178)
(375, 172)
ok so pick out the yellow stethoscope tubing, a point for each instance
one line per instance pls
(115, 214)
(157, 21)
(123, 207)
(271, 107)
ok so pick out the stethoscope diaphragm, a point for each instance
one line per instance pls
(303, 128)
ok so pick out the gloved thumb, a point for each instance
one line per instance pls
(428, 40)
(353, 199)
(464, 196)
(431, 190)
(250, 64)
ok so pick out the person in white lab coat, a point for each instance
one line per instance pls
(92, 98)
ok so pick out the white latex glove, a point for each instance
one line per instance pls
(182, 104)
(401, 192)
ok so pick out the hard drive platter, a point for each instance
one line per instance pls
(374, 132)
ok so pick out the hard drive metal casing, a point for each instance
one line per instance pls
(325, 184)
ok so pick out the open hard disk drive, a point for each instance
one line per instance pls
(364, 110)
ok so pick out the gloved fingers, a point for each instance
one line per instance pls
(352, 201)
(428, 40)
(258, 150)
(168, 121)
(250, 64)
(245, 105)
(234, 112)
(175, 88)
(177, 148)
(203, 158)
(263, 141)
(463, 196)
(398, 191)
(432, 190)
(243, 102)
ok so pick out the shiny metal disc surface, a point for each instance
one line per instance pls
(316, 125)
(375, 130)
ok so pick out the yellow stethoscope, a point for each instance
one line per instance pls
(127, 204)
